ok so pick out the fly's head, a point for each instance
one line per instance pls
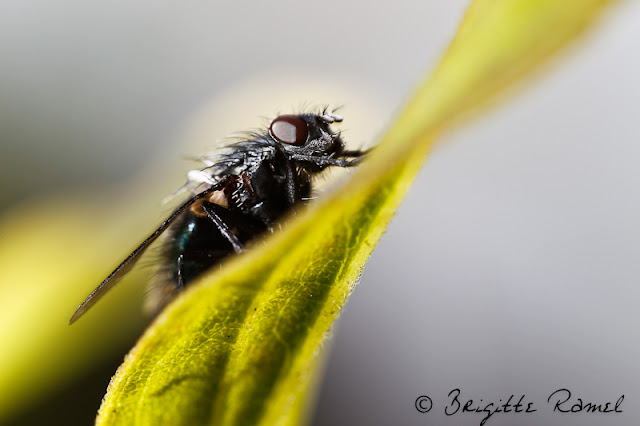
(308, 136)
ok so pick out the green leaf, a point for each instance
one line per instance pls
(243, 345)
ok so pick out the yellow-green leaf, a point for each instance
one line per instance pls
(242, 346)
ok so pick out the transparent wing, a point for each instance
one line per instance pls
(131, 260)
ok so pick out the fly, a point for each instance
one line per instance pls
(239, 195)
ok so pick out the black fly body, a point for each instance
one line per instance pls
(239, 195)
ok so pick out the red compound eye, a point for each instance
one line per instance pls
(289, 129)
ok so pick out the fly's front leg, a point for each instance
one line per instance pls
(357, 153)
(326, 161)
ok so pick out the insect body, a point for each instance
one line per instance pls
(238, 196)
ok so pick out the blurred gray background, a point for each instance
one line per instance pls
(511, 268)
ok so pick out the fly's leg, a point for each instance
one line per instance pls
(326, 161)
(191, 264)
(355, 153)
(224, 220)
(213, 212)
(180, 272)
(345, 159)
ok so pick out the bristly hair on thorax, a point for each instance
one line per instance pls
(239, 150)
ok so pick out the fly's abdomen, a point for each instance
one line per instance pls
(193, 246)
(197, 245)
